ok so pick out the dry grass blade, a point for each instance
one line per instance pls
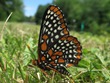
(1, 35)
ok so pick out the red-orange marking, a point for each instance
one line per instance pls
(78, 50)
(52, 7)
(52, 63)
(70, 38)
(60, 16)
(63, 25)
(43, 58)
(50, 52)
(53, 57)
(60, 60)
(58, 53)
(75, 40)
(58, 12)
(78, 44)
(45, 37)
(78, 56)
(44, 46)
(65, 31)
(69, 65)
(56, 9)
(64, 38)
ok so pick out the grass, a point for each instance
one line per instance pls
(15, 57)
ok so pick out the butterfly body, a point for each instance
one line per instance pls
(57, 49)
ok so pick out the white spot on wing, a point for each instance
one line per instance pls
(51, 18)
(59, 28)
(48, 11)
(66, 52)
(51, 29)
(56, 36)
(55, 31)
(47, 56)
(55, 25)
(65, 41)
(49, 25)
(70, 56)
(55, 15)
(51, 13)
(46, 30)
(48, 16)
(52, 40)
(71, 60)
(47, 22)
(58, 47)
(49, 32)
(57, 18)
(61, 33)
(63, 47)
(54, 21)
(59, 22)
(70, 51)
(55, 46)
(59, 41)
(62, 44)
(71, 43)
(56, 61)
(67, 44)
(47, 41)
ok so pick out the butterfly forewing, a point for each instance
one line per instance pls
(53, 27)
(56, 48)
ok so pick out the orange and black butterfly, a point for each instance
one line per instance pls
(57, 49)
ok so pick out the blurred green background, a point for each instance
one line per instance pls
(88, 20)
(81, 15)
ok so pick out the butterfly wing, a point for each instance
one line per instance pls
(56, 48)
(52, 29)
(65, 53)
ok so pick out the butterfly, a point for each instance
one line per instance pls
(57, 49)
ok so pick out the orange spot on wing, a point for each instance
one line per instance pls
(64, 38)
(78, 56)
(53, 63)
(75, 40)
(60, 16)
(43, 58)
(58, 12)
(50, 52)
(45, 37)
(78, 50)
(60, 60)
(65, 31)
(69, 65)
(70, 38)
(63, 25)
(78, 44)
(53, 57)
(58, 53)
(44, 46)
(52, 7)
(56, 9)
